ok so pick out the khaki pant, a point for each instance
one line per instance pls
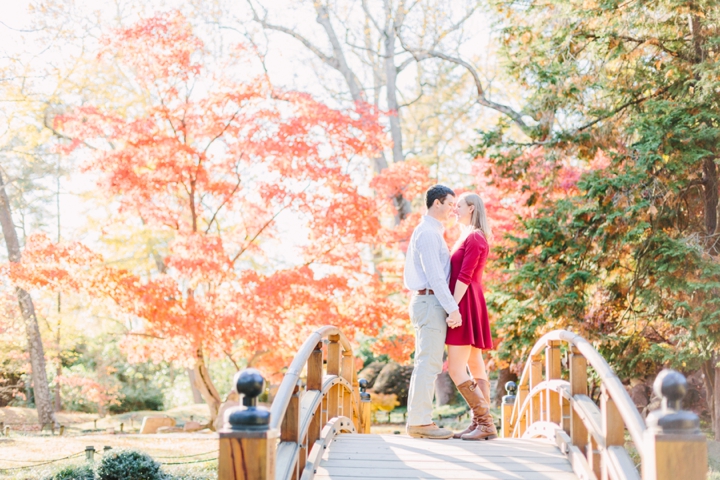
(429, 319)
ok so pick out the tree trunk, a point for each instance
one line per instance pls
(710, 182)
(206, 388)
(41, 388)
(716, 396)
(391, 89)
(708, 369)
(197, 397)
(444, 389)
(504, 376)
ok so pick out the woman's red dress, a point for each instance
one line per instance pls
(467, 264)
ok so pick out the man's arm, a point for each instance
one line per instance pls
(429, 247)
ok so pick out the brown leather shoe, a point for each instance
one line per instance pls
(485, 430)
(428, 431)
(469, 429)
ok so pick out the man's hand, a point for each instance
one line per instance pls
(454, 320)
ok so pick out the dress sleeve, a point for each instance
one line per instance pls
(475, 247)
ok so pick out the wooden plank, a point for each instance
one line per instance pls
(450, 464)
(590, 415)
(333, 358)
(553, 371)
(578, 386)
(435, 446)
(620, 465)
(580, 464)
(436, 474)
(315, 368)
(497, 458)
(535, 379)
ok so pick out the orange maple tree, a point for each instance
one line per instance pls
(215, 163)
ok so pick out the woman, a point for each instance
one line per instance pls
(467, 341)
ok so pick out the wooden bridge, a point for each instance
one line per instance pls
(318, 425)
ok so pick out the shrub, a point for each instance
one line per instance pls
(128, 465)
(74, 472)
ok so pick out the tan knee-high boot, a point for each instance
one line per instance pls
(485, 389)
(479, 407)
(483, 421)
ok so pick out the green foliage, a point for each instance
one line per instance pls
(365, 352)
(128, 465)
(74, 472)
(628, 256)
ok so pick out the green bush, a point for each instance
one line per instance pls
(74, 472)
(128, 465)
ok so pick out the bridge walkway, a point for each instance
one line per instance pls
(399, 457)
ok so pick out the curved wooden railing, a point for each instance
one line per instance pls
(553, 403)
(318, 398)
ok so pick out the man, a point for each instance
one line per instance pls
(432, 308)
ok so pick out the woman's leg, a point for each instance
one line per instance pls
(476, 363)
(457, 363)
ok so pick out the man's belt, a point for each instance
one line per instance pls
(425, 291)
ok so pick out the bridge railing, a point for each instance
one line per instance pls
(553, 403)
(287, 442)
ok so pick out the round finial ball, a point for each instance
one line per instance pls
(511, 388)
(363, 383)
(671, 385)
(249, 382)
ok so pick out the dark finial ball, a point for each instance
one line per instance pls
(249, 382)
(363, 383)
(511, 388)
(671, 385)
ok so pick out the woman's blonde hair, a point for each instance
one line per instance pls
(478, 219)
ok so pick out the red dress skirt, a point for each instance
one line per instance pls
(467, 264)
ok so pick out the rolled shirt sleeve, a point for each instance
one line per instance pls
(429, 248)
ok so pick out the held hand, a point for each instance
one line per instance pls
(454, 320)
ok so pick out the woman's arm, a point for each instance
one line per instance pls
(475, 245)
(460, 289)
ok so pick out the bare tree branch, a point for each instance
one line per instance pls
(516, 117)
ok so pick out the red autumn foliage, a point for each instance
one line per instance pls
(215, 163)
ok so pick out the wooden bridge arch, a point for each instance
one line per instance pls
(551, 414)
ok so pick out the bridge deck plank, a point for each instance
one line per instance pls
(399, 456)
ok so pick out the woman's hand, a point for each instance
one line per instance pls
(454, 320)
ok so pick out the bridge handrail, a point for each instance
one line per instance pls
(278, 444)
(294, 371)
(549, 406)
(629, 413)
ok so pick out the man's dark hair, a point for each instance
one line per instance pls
(437, 192)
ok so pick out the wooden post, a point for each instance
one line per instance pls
(674, 446)
(508, 403)
(535, 379)
(247, 444)
(553, 371)
(314, 382)
(333, 368)
(346, 372)
(90, 454)
(578, 386)
(315, 368)
(365, 415)
(522, 395)
(612, 426)
(290, 429)
(593, 456)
